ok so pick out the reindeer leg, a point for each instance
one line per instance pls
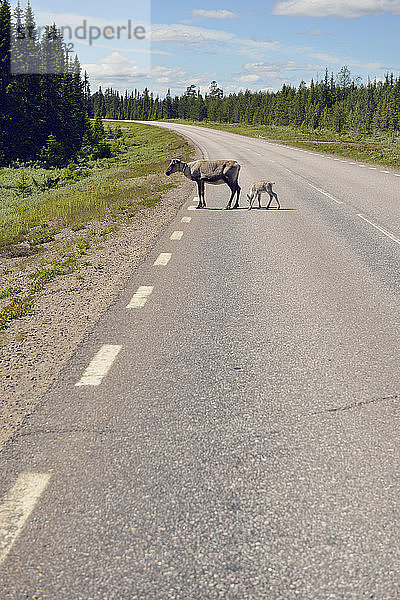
(270, 200)
(199, 183)
(259, 199)
(276, 198)
(230, 201)
(227, 207)
(203, 188)
(237, 191)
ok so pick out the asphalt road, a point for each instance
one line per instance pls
(244, 443)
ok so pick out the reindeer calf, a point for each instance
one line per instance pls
(257, 189)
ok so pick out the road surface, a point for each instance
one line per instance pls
(234, 433)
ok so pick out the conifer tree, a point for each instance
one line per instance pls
(44, 97)
(98, 128)
(5, 99)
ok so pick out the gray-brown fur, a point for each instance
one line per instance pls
(260, 187)
(214, 172)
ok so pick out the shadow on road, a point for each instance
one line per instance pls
(263, 208)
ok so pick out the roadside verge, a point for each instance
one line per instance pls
(35, 347)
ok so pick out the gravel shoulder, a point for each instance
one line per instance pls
(33, 349)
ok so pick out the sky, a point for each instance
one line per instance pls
(255, 45)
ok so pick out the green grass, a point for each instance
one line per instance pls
(9, 291)
(17, 308)
(22, 301)
(380, 148)
(106, 189)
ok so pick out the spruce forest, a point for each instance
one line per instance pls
(336, 103)
(43, 114)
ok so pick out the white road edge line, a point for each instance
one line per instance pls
(163, 259)
(139, 298)
(389, 235)
(186, 219)
(99, 365)
(325, 193)
(16, 507)
(176, 235)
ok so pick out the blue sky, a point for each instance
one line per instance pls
(256, 45)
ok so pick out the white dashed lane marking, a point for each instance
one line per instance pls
(139, 298)
(192, 207)
(379, 228)
(100, 365)
(325, 193)
(186, 219)
(331, 158)
(163, 259)
(16, 507)
(177, 235)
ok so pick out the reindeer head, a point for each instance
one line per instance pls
(174, 167)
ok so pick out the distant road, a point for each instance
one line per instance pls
(234, 433)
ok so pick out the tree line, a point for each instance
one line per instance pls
(338, 103)
(43, 96)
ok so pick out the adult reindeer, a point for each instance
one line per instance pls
(210, 171)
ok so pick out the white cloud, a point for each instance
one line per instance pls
(214, 14)
(168, 75)
(346, 9)
(192, 36)
(349, 62)
(272, 75)
(313, 32)
(259, 44)
(188, 35)
(115, 67)
(177, 76)
(278, 68)
(255, 49)
(250, 78)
